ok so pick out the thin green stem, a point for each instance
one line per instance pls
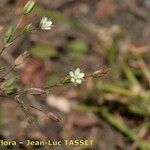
(20, 34)
(52, 86)
(18, 24)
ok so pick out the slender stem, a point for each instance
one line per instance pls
(19, 22)
(59, 85)
(37, 109)
(52, 86)
(21, 104)
(11, 43)
(14, 40)
(20, 34)
(2, 50)
(9, 71)
(49, 114)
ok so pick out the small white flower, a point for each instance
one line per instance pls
(77, 76)
(46, 24)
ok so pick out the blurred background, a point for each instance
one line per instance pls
(114, 110)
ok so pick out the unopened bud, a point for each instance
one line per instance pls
(36, 91)
(53, 117)
(100, 73)
(29, 6)
(21, 58)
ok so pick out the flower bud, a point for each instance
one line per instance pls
(29, 6)
(36, 91)
(100, 73)
(21, 58)
(53, 117)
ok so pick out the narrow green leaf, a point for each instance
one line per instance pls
(8, 35)
(9, 82)
(10, 90)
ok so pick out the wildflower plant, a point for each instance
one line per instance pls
(8, 88)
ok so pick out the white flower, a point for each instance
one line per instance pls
(46, 24)
(76, 76)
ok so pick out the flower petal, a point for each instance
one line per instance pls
(45, 28)
(71, 73)
(77, 71)
(79, 81)
(43, 20)
(81, 75)
(49, 23)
